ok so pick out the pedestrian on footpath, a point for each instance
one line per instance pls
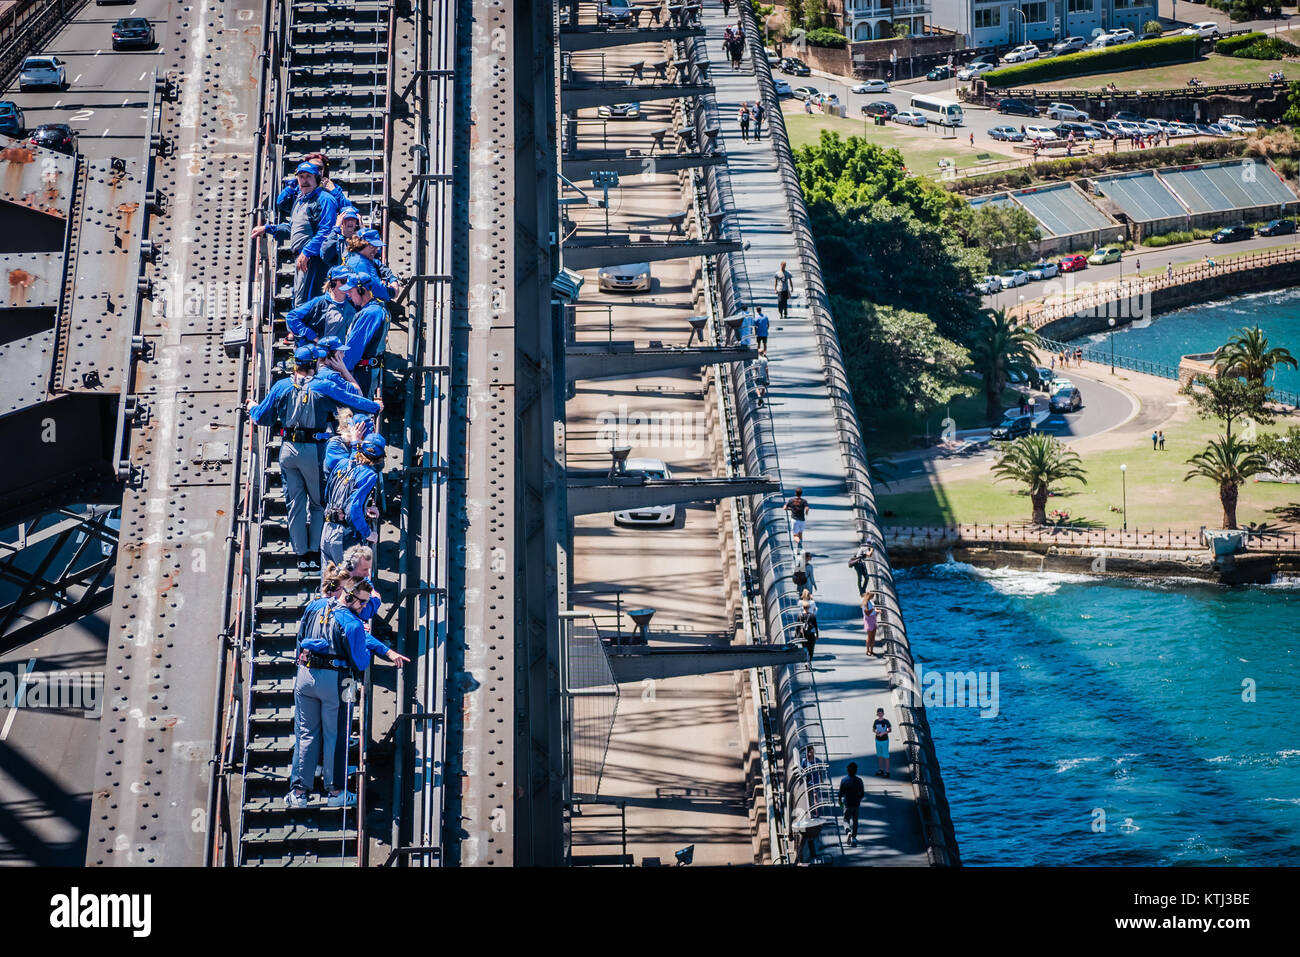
(1078, 357)
(1162, 440)
(882, 727)
(972, 138)
(808, 622)
(859, 565)
(742, 117)
(805, 563)
(1169, 271)
(783, 282)
(760, 111)
(1155, 437)
(870, 619)
(851, 791)
(726, 8)
(1023, 404)
(761, 325)
(798, 508)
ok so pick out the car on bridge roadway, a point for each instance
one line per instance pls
(55, 136)
(620, 111)
(655, 514)
(12, 120)
(634, 277)
(1073, 263)
(132, 32)
(614, 11)
(42, 71)
(1107, 254)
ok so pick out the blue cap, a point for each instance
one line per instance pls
(363, 425)
(373, 446)
(305, 355)
(354, 281)
(338, 272)
(309, 168)
(351, 212)
(330, 344)
(372, 237)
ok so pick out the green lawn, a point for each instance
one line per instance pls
(921, 149)
(893, 431)
(1157, 495)
(1210, 69)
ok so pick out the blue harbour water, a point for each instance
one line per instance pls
(1203, 328)
(1122, 736)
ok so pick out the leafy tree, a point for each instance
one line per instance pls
(1038, 461)
(827, 37)
(1227, 462)
(1006, 233)
(999, 347)
(1249, 355)
(902, 30)
(814, 13)
(795, 8)
(1229, 399)
(1292, 114)
(896, 357)
(1283, 451)
(1152, 28)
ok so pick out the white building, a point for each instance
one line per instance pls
(875, 19)
(988, 23)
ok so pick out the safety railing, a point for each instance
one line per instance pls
(1174, 93)
(27, 26)
(1065, 535)
(931, 800)
(1103, 357)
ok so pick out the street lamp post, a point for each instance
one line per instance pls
(1111, 322)
(1123, 478)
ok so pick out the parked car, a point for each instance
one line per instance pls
(972, 70)
(989, 285)
(1026, 51)
(1064, 111)
(42, 71)
(772, 58)
(132, 32)
(614, 12)
(55, 136)
(872, 86)
(1041, 134)
(1073, 263)
(1104, 255)
(879, 108)
(1206, 28)
(1069, 45)
(1043, 269)
(806, 92)
(782, 86)
(1008, 134)
(1278, 227)
(909, 118)
(12, 120)
(1232, 234)
(654, 514)
(1127, 116)
(1014, 277)
(634, 277)
(1019, 107)
(1218, 129)
(794, 67)
(1104, 40)
(1081, 131)
(1043, 378)
(620, 111)
(941, 72)
(1237, 123)
(1012, 427)
(1065, 397)
(1123, 34)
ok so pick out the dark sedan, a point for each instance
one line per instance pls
(879, 108)
(1232, 234)
(943, 72)
(794, 67)
(1278, 227)
(55, 136)
(1017, 106)
(132, 32)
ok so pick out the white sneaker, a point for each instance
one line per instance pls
(295, 799)
(342, 799)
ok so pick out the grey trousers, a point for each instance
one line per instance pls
(334, 541)
(307, 284)
(315, 717)
(300, 470)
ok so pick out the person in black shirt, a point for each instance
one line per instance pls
(798, 508)
(882, 727)
(851, 791)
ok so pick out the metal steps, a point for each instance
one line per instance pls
(336, 83)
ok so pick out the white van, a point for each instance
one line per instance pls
(935, 109)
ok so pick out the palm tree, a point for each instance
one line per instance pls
(1247, 354)
(1228, 462)
(1001, 347)
(1039, 460)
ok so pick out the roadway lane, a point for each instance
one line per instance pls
(108, 94)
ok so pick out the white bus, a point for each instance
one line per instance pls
(937, 110)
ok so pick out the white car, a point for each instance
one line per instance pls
(1014, 277)
(1069, 45)
(620, 111)
(655, 514)
(972, 70)
(782, 86)
(909, 118)
(1237, 123)
(1044, 134)
(1064, 111)
(989, 285)
(42, 71)
(1044, 269)
(872, 86)
(1123, 35)
(1026, 51)
(634, 277)
(1206, 28)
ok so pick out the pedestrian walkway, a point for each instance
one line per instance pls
(851, 686)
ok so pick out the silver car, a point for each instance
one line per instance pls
(654, 514)
(634, 277)
(620, 111)
(42, 71)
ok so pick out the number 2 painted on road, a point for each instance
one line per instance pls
(81, 116)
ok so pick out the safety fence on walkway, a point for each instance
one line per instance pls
(1082, 536)
(931, 800)
(1101, 356)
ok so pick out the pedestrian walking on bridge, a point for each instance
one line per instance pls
(760, 112)
(798, 508)
(859, 565)
(851, 792)
(783, 282)
(882, 727)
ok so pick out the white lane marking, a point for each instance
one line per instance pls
(103, 134)
(98, 52)
(22, 688)
(143, 75)
(57, 102)
(126, 101)
(78, 79)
